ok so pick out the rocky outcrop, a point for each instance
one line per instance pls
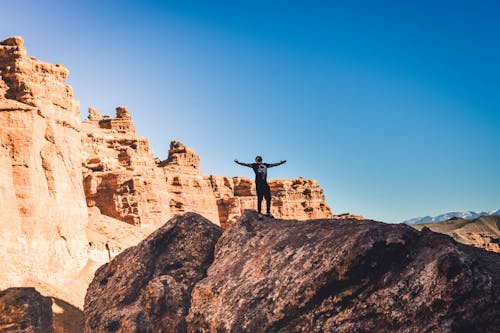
(283, 276)
(344, 276)
(120, 176)
(297, 198)
(189, 190)
(54, 169)
(40, 180)
(147, 288)
(24, 310)
(482, 232)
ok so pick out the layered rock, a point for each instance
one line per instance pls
(344, 276)
(40, 180)
(147, 288)
(120, 175)
(297, 198)
(24, 310)
(189, 190)
(482, 232)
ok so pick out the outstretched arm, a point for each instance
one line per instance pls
(241, 163)
(276, 164)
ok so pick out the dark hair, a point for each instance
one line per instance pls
(258, 158)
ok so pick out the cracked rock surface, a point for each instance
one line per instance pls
(290, 276)
(147, 287)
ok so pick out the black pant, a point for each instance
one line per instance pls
(263, 191)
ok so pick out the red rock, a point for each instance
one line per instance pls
(120, 175)
(298, 198)
(189, 190)
(40, 179)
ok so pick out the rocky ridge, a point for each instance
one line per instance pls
(120, 176)
(482, 232)
(124, 181)
(283, 276)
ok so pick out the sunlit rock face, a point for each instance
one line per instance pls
(44, 214)
(56, 169)
(189, 190)
(296, 198)
(120, 176)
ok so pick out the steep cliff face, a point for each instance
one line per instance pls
(120, 176)
(123, 180)
(40, 179)
(54, 169)
(297, 198)
(189, 190)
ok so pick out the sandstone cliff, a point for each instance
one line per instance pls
(125, 182)
(120, 176)
(298, 198)
(189, 190)
(56, 171)
(284, 276)
(43, 215)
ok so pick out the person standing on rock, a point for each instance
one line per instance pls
(263, 190)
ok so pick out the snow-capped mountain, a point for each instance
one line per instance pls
(469, 215)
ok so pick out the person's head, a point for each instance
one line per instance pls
(258, 159)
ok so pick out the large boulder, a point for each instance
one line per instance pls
(344, 276)
(147, 288)
(24, 310)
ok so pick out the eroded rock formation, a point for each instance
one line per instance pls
(24, 310)
(120, 176)
(43, 215)
(147, 288)
(297, 198)
(189, 190)
(123, 180)
(55, 169)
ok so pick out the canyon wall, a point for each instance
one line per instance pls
(297, 198)
(120, 176)
(125, 182)
(56, 171)
(189, 189)
(43, 213)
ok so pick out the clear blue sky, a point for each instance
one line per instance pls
(393, 106)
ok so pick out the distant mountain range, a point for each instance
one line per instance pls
(468, 215)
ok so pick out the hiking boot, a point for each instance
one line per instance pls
(259, 216)
(270, 215)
